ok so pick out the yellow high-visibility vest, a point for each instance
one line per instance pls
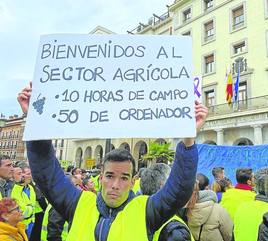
(129, 224)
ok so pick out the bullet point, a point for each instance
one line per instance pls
(57, 96)
(54, 115)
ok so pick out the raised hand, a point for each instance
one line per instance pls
(24, 98)
(201, 113)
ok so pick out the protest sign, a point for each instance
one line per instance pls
(112, 86)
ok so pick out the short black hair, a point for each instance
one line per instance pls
(4, 157)
(243, 175)
(74, 170)
(69, 168)
(216, 171)
(203, 181)
(120, 155)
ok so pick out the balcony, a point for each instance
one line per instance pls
(153, 21)
(256, 104)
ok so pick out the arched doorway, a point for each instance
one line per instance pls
(161, 141)
(210, 143)
(78, 157)
(140, 150)
(125, 146)
(243, 142)
(98, 154)
(88, 160)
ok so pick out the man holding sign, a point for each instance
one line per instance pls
(114, 215)
(90, 87)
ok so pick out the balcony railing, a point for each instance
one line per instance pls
(256, 103)
(153, 21)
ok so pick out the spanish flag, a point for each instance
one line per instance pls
(229, 88)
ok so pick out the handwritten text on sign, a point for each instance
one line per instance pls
(112, 86)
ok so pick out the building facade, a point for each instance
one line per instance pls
(229, 36)
(11, 132)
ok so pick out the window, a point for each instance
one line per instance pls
(238, 17)
(61, 154)
(56, 143)
(209, 64)
(187, 15)
(208, 4)
(239, 48)
(62, 143)
(188, 33)
(209, 30)
(242, 91)
(242, 95)
(266, 8)
(210, 98)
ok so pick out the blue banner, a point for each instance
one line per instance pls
(231, 158)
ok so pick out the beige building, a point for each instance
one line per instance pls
(228, 35)
(11, 143)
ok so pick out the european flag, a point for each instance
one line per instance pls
(236, 87)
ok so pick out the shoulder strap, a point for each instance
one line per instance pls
(201, 228)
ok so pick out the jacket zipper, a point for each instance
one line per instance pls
(101, 226)
(110, 213)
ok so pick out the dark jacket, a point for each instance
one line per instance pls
(263, 229)
(160, 207)
(6, 187)
(175, 231)
(55, 225)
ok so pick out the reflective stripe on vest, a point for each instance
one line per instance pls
(45, 223)
(129, 224)
(175, 217)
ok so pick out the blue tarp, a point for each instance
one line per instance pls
(231, 158)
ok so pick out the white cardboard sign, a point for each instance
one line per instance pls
(112, 86)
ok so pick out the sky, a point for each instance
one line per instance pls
(23, 21)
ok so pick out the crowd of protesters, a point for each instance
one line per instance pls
(160, 203)
(215, 211)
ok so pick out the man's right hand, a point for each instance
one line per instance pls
(24, 98)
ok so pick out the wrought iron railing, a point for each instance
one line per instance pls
(241, 106)
(153, 21)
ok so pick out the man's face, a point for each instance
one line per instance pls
(116, 180)
(27, 176)
(78, 171)
(221, 174)
(6, 169)
(17, 175)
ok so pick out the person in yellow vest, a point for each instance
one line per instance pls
(54, 226)
(249, 214)
(11, 227)
(40, 207)
(96, 181)
(62, 226)
(26, 198)
(115, 214)
(6, 171)
(136, 188)
(152, 180)
(243, 191)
